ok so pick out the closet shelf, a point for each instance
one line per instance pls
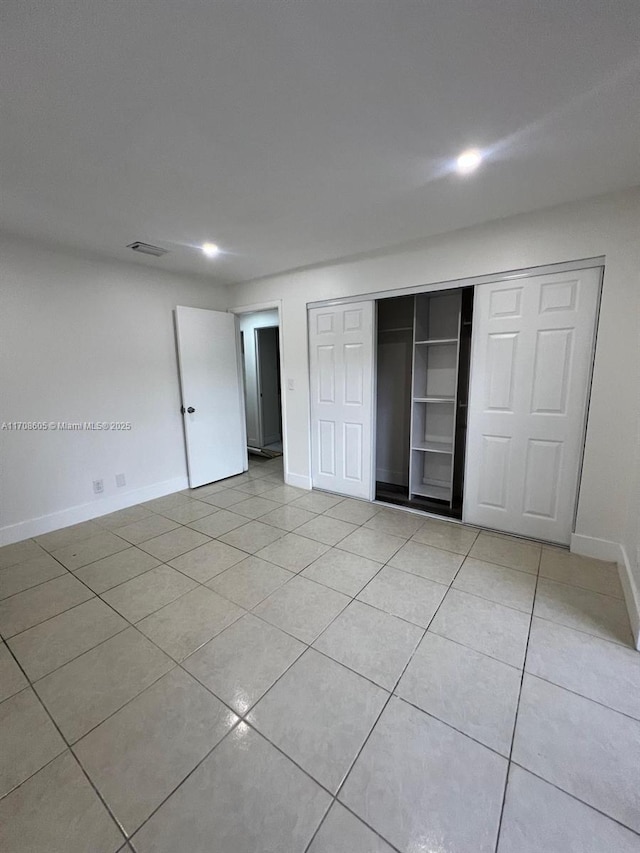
(434, 399)
(434, 447)
(440, 493)
(396, 329)
(435, 342)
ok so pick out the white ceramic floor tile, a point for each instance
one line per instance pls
(483, 625)
(595, 575)
(218, 523)
(475, 694)
(396, 522)
(147, 593)
(257, 486)
(166, 502)
(78, 554)
(302, 608)
(288, 517)
(34, 605)
(371, 642)
(186, 512)
(325, 529)
(253, 536)
(57, 811)
(30, 573)
(226, 498)
(20, 552)
(139, 755)
(170, 545)
(342, 832)
(87, 690)
(405, 595)
(353, 511)
(348, 573)
(119, 568)
(497, 583)
(396, 785)
(51, 644)
(319, 713)
(600, 615)
(316, 501)
(146, 528)
(583, 748)
(28, 739)
(292, 552)
(254, 507)
(372, 544)
(283, 494)
(603, 671)
(246, 797)
(241, 663)
(539, 817)
(507, 551)
(122, 517)
(446, 535)
(12, 679)
(427, 562)
(186, 624)
(250, 581)
(68, 535)
(208, 560)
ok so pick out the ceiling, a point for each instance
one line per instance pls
(294, 132)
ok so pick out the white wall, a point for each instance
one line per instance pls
(248, 324)
(608, 225)
(87, 340)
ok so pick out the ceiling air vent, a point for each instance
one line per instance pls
(147, 249)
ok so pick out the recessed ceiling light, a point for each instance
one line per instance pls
(210, 250)
(468, 161)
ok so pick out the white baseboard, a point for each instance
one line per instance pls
(300, 481)
(85, 512)
(602, 549)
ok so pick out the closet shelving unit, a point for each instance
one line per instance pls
(422, 384)
(434, 405)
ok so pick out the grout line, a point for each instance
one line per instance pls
(581, 695)
(618, 643)
(390, 697)
(491, 600)
(574, 797)
(584, 588)
(67, 749)
(515, 720)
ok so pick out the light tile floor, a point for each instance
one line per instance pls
(248, 667)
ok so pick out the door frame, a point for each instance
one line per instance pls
(472, 281)
(253, 308)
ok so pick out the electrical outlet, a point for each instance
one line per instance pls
(98, 487)
(120, 480)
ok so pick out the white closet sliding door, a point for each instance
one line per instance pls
(530, 374)
(341, 376)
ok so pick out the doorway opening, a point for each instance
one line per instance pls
(260, 340)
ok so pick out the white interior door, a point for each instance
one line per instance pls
(530, 373)
(341, 374)
(212, 395)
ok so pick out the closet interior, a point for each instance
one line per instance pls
(422, 383)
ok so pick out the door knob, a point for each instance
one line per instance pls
(191, 410)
